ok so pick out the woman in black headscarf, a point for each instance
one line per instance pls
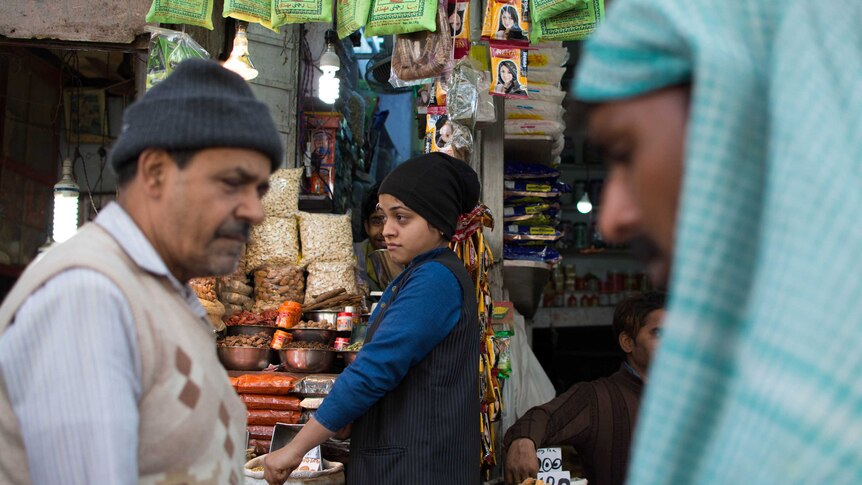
(412, 392)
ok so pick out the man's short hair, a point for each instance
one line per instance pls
(127, 172)
(630, 314)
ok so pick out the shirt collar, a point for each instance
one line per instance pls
(120, 225)
(428, 255)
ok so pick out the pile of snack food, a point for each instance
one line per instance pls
(277, 398)
(260, 340)
(291, 256)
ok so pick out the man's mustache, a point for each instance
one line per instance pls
(235, 230)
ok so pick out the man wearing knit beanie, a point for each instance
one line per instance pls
(139, 395)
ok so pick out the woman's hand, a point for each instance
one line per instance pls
(278, 465)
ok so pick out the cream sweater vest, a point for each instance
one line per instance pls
(192, 423)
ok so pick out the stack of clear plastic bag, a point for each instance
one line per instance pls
(551, 129)
(528, 190)
(545, 92)
(518, 232)
(421, 57)
(549, 57)
(546, 75)
(533, 110)
(540, 253)
(167, 49)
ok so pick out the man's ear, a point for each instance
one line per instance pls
(627, 343)
(153, 165)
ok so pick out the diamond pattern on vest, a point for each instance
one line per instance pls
(234, 479)
(190, 394)
(228, 445)
(223, 415)
(184, 362)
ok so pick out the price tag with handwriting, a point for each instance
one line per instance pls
(556, 478)
(550, 459)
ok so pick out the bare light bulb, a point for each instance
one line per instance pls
(584, 205)
(239, 61)
(66, 193)
(328, 86)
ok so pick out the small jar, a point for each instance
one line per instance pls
(280, 339)
(344, 323)
(341, 342)
(288, 314)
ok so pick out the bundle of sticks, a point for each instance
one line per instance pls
(337, 298)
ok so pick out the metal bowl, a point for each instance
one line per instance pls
(328, 316)
(319, 335)
(349, 356)
(243, 358)
(250, 330)
(307, 360)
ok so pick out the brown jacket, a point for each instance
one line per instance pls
(596, 418)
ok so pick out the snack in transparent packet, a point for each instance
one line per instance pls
(273, 285)
(167, 49)
(324, 276)
(282, 198)
(420, 57)
(445, 136)
(325, 237)
(273, 242)
(463, 94)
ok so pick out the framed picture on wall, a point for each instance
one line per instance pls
(86, 117)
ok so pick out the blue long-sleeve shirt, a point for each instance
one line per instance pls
(425, 311)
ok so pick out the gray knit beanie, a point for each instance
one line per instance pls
(200, 105)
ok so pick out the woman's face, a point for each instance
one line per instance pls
(506, 19)
(455, 22)
(445, 133)
(407, 233)
(506, 74)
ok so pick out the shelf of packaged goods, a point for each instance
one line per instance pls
(572, 317)
(598, 253)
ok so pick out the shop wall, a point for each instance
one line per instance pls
(115, 21)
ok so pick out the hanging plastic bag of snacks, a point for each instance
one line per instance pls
(351, 15)
(576, 24)
(256, 11)
(282, 198)
(273, 242)
(420, 57)
(459, 23)
(300, 11)
(510, 23)
(509, 71)
(463, 93)
(189, 12)
(444, 135)
(166, 50)
(386, 17)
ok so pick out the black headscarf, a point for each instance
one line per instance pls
(436, 186)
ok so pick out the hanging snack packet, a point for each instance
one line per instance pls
(420, 57)
(256, 11)
(351, 15)
(463, 94)
(444, 135)
(423, 98)
(300, 11)
(487, 20)
(575, 24)
(167, 49)
(510, 23)
(545, 9)
(387, 17)
(509, 72)
(459, 23)
(441, 90)
(189, 12)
